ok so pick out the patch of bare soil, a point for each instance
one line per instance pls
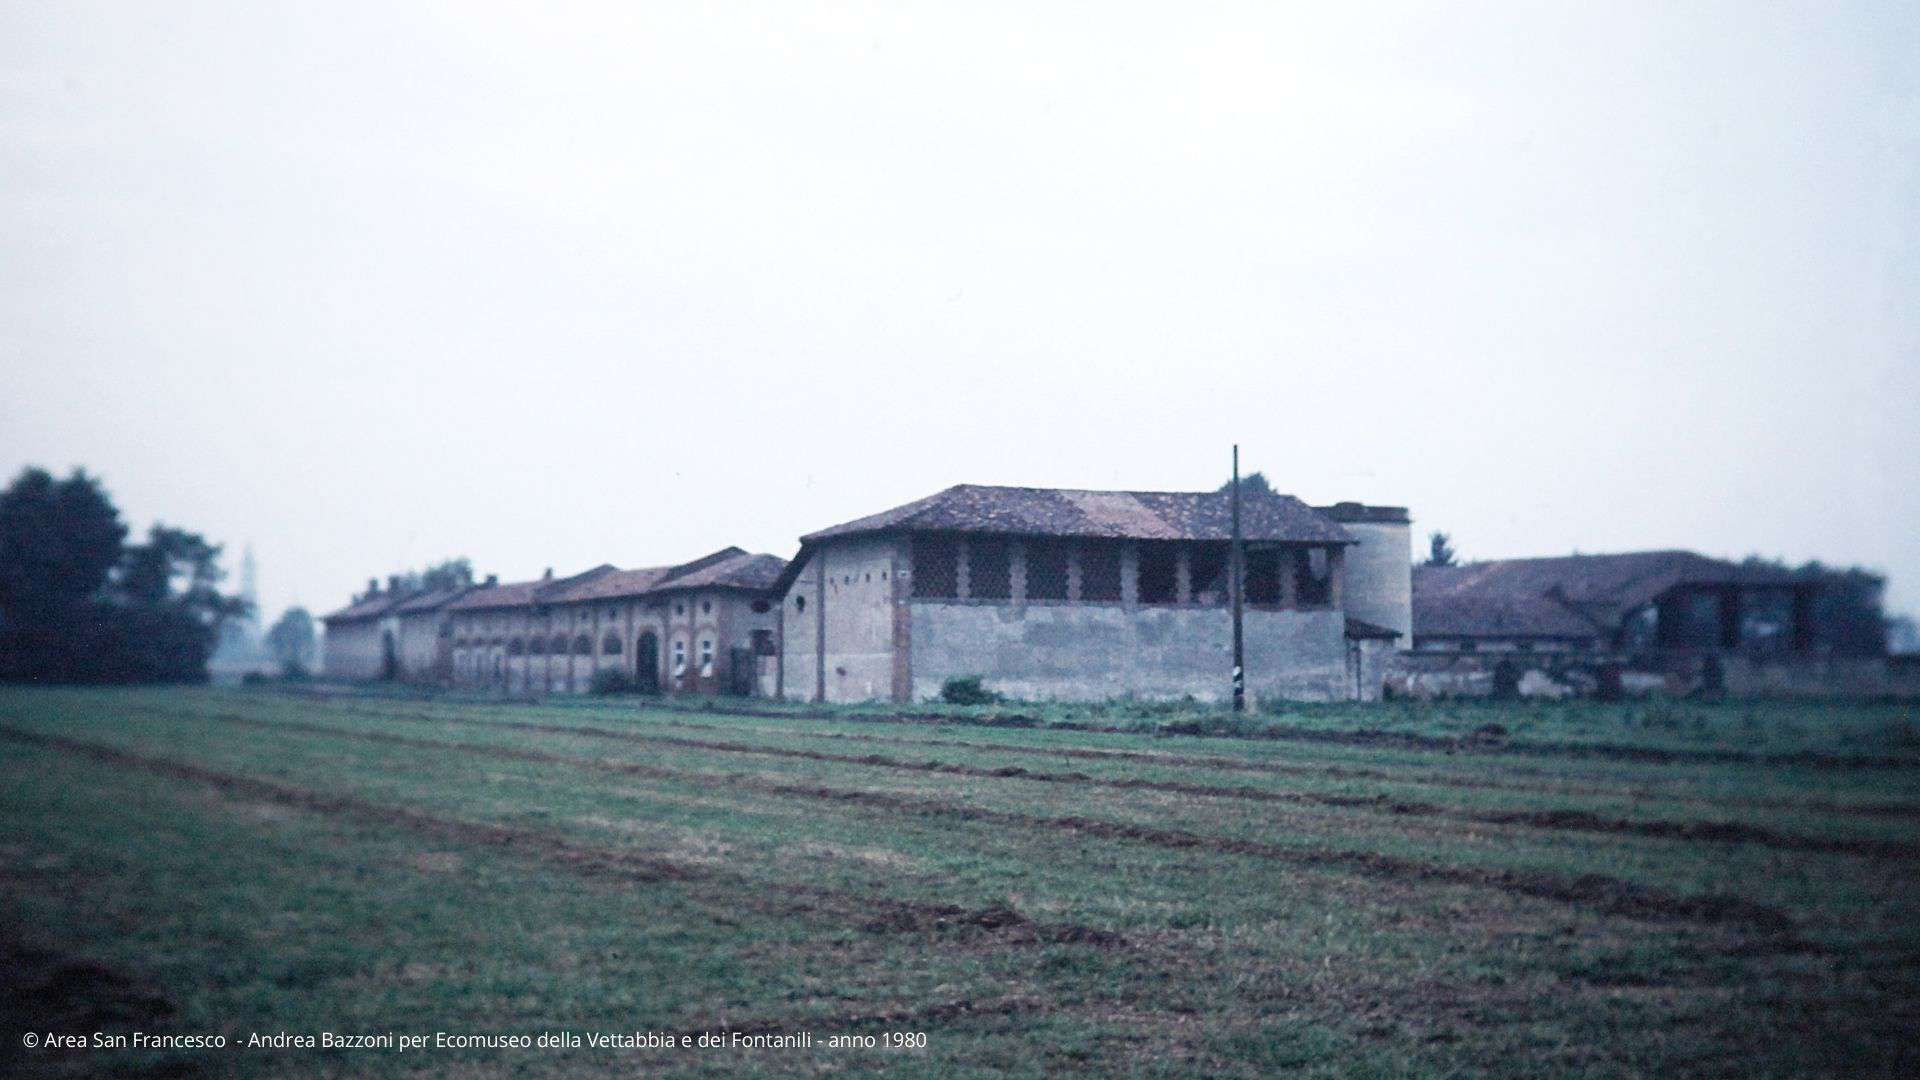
(46, 990)
(1612, 896)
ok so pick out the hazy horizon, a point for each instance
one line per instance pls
(371, 286)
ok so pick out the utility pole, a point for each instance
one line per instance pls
(1236, 562)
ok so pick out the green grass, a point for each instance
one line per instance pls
(1319, 897)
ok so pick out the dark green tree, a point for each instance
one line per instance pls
(1440, 550)
(77, 604)
(1253, 483)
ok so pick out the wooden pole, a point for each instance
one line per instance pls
(1236, 563)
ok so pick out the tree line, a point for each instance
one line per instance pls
(80, 604)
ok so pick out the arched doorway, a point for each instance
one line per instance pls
(646, 663)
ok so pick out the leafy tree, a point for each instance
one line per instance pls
(1440, 550)
(445, 574)
(1253, 483)
(58, 541)
(77, 604)
(291, 640)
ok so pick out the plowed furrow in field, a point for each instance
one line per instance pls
(1607, 895)
(1571, 820)
(871, 912)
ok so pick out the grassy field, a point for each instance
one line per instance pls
(1404, 890)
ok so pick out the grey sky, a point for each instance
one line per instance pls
(369, 285)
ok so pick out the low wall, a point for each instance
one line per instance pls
(1427, 675)
(1093, 652)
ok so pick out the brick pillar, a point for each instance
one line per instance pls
(1017, 572)
(1336, 575)
(1183, 574)
(1130, 575)
(962, 569)
(1290, 576)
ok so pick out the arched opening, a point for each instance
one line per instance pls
(646, 663)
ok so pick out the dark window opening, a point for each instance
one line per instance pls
(761, 607)
(1159, 571)
(799, 603)
(610, 645)
(1046, 570)
(936, 567)
(1313, 577)
(536, 646)
(1263, 580)
(583, 646)
(1208, 563)
(990, 569)
(514, 648)
(763, 643)
(1100, 571)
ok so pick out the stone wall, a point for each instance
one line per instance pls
(353, 650)
(859, 581)
(1091, 652)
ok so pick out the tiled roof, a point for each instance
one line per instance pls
(431, 601)
(739, 571)
(1137, 515)
(1497, 616)
(727, 568)
(369, 607)
(1360, 628)
(1501, 595)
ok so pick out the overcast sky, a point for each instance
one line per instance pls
(370, 285)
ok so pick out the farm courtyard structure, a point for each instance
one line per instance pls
(1072, 595)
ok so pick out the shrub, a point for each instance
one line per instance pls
(967, 690)
(612, 681)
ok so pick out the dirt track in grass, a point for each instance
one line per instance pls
(1565, 819)
(870, 912)
(1597, 892)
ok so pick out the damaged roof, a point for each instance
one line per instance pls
(1498, 617)
(1131, 515)
(728, 568)
(367, 607)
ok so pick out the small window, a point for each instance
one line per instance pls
(706, 607)
(799, 603)
(763, 643)
(679, 608)
(583, 646)
(706, 658)
(761, 607)
(936, 567)
(1100, 571)
(610, 645)
(1159, 571)
(679, 658)
(514, 647)
(989, 568)
(1046, 570)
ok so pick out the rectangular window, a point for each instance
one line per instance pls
(1159, 571)
(1313, 577)
(1264, 568)
(1100, 571)
(706, 658)
(1208, 562)
(989, 568)
(936, 567)
(763, 643)
(679, 658)
(1046, 570)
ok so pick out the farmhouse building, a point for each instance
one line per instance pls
(1062, 594)
(1628, 602)
(705, 626)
